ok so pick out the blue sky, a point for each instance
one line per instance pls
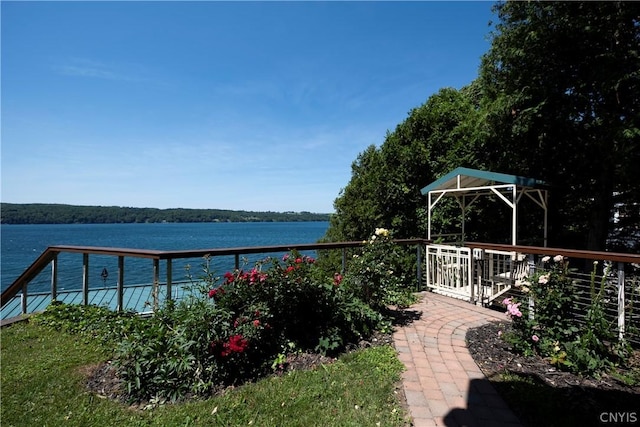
(257, 106)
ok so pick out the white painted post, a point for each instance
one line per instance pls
(514, 218)
(532, 271)
(621, 301)
(54, 278)
(429, 215)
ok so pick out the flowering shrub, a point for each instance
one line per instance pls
(234, 327)
(545, 322)
(375, 275)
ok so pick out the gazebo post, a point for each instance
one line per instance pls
(429, 216)
(514, 219)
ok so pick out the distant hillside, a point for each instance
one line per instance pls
(38, 213)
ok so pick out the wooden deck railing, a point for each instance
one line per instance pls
(50, 256)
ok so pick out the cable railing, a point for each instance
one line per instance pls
(18, 293)
(617, 273)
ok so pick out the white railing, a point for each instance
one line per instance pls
(478, 277)
(498, 272)
(449, 270)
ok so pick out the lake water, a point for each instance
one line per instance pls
(22, 244)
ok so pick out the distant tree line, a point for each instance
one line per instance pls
(37, 213)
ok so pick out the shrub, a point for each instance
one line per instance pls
(239, 327)
(376, 276)
(546, 323)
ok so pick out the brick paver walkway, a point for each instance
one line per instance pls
(442, 383)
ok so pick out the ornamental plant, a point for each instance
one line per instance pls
(375, 275)
(544, 322)
(240, 326)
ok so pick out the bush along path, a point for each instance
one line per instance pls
(552, 368)
(250, 323)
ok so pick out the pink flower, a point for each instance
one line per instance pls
(310, 260)
(229, 277)
(506, 301)
(535, 338)
(298, 260)
(514, 310)
(285, 257)
(337, 279)
(256, 323)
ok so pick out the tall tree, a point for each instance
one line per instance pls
(384, 190)
(561, 84)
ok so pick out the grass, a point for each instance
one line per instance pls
(42, 384)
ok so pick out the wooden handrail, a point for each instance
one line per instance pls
(34, 269)
(52, 251)
(570, 253)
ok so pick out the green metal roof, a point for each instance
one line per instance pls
(461, 178)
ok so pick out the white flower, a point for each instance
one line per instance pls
(544, 279)
(558, 258)
(382, 232)
(546, 259)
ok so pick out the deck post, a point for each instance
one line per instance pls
(514, 216)
(54, 278)
(237, 261)
(120, 285)
(344, 260)
(85, 278)
(169, 297)
(23, 299)
(621, 301)
(156, 282)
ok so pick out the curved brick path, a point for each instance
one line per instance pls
(442, 383)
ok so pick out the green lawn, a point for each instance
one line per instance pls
(42, 385)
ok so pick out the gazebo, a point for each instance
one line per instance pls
(467, 185)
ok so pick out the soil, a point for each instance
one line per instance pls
(102, 379)
(554, 392)
(549, 389)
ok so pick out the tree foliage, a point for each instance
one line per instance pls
(384, 190)
(68, 214)
(561, 87)
(556, 99)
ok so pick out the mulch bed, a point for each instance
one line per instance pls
(550, 396)
(102, 379)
